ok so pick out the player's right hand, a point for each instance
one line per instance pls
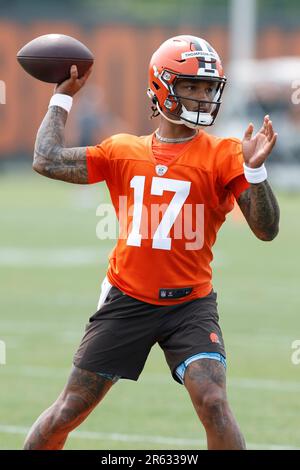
(73, 84)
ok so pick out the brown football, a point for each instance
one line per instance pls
(49, 57)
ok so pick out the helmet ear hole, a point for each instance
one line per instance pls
(156, 86)
(152, 96)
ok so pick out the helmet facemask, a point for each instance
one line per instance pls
(203, 113)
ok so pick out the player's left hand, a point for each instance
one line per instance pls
(256, 149)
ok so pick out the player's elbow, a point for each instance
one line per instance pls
(45, 157)
(45, 160)
(38, 165)
(269, 234)
(272, 234)
(41, 165)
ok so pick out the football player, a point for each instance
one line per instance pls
(178, 183)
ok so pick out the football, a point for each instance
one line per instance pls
(49, 58)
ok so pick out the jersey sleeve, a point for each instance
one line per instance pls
(230, 161)
(98, 161)
(238, 185)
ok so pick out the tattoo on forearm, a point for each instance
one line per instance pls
(51, 158)
(261, 210)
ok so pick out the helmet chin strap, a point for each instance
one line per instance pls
(188, 118)
(167, 118)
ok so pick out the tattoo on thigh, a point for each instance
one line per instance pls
(90, 385)
(207, 370)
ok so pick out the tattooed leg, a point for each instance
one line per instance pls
(82, 393)
(205, 381)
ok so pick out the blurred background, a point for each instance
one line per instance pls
(52, 264)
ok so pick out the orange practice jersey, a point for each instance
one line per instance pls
(169, 214)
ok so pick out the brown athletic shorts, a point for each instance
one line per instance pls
(120, 335)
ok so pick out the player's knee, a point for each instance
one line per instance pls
(69, 412)
(212, 407)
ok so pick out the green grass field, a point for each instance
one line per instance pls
(51, 266)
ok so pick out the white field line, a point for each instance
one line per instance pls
(56, 257)
(265, 384)
(161, 440)
(275, 385)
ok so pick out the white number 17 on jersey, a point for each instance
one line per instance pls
(159, 185)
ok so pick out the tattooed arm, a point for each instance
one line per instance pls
(258, 203)
(261, 210)
(51, 157)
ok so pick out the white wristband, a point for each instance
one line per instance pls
(255, 175)
(63, 101)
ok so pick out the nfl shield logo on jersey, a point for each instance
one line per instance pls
(161, 170)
